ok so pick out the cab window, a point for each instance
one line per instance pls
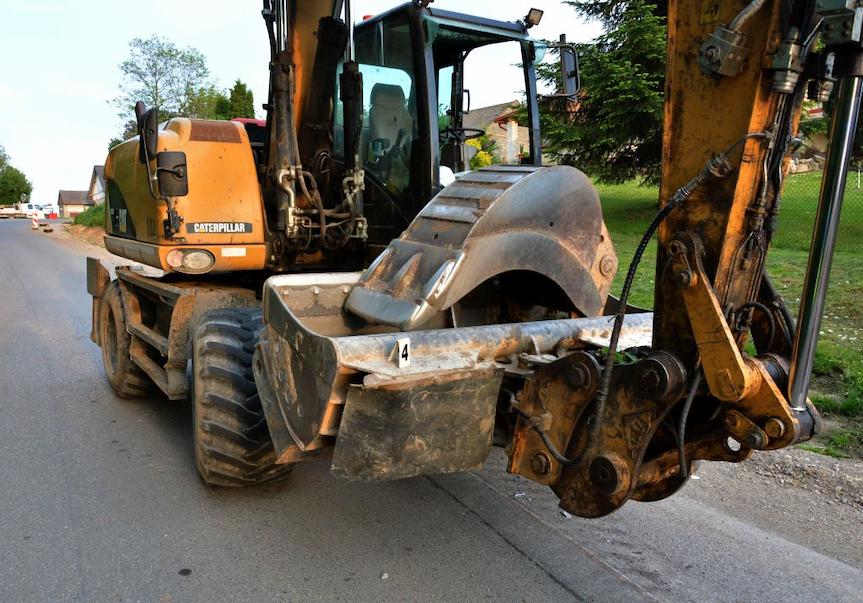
(390, 123)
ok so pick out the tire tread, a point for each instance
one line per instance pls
(232, 441)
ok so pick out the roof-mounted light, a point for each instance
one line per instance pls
(533, 17)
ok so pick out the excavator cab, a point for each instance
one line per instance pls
(413, 137)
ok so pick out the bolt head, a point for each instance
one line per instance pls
(610, 475)
(578, 376)
(540, 463)
(651, 381)
(608, 265)
(755, 439)
(774, 428)
(683, 278)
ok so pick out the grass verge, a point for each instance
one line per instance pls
(95, 216)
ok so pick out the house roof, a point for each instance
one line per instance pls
(482, 117)
(73, 198)
(97, 177)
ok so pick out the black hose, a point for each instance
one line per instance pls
(534, 423)
(771, 323)
(777, 300)
(605, 382)
(716, 166)
(681, 424)
(552, 449)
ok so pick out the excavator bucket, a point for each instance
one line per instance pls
(328, 378)
(497, 220)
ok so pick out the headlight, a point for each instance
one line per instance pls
(192, 261)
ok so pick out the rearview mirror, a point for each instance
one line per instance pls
(148, 131)
(569, 74)
(570, 77)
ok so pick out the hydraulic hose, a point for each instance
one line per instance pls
(744, 15)
(717, 166)
(681, 424)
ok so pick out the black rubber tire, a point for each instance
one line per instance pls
(125, 377)
(232, 440)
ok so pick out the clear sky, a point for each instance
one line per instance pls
(58, 67)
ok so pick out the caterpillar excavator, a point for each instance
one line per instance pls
(336, 281)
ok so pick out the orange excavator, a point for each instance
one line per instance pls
(336, 281)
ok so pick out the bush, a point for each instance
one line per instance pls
(484, 152)
(95, 216)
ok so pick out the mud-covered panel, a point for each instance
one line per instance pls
(214, 131)
(438, 424)
(302, 371)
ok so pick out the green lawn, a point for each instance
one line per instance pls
(837, 388)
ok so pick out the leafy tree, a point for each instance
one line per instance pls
(242, 101)
(4, 158)
(114, 142)
(13, 184)
(162, 75)
(222, 108)
(130, 129)
(610, 12)
(209, 103)
(614, 130)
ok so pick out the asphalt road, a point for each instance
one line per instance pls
(100, 501)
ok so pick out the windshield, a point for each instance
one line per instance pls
(486, 104)
(389, 126)
(482, 72)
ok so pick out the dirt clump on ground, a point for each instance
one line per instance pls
(89, 234)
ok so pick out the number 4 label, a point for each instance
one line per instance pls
(403, 352)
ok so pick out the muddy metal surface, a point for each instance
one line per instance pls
(99, 500)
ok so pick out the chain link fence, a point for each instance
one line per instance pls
(800, 203)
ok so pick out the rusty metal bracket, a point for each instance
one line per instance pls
(561, 390)
(744, 384)
(605, 472)
(660, 477)
(727, 375)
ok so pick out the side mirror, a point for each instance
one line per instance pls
(148, 131)
(569, 74)
(172, 174)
